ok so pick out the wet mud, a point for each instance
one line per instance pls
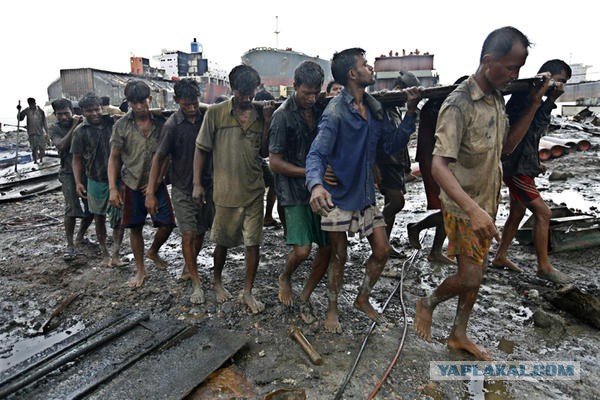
(513, 317)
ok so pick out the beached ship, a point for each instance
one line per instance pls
(74, 83)
(276, 67)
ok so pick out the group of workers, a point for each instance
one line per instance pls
(327, 158)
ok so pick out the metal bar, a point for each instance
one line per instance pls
(15, 383)
(123, 365)
(17, 134)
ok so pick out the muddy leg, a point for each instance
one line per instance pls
(137, 247)
(219, 256)
(472, 274)
(100, 223)
(436, 254)
(83, 227)
(453, 285)
(516, 213)
(294, 258)
(252, 258)
(335, 280)
(190, 246)
(69, 223)
(375, 264)
(117, 233)
(318, 270)
(394, 203)
(160, 237)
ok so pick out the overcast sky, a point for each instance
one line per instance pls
(39, 38)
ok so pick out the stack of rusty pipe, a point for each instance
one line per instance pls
(572, 143)
(548, 149)
(553, 147)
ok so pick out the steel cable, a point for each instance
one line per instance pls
(340, 391)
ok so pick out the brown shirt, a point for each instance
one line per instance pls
(471, 129)
(237, 172)
(136, 149)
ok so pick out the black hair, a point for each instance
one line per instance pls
(263, 95)
(61, 104)
(330, 85)
(89, 100)
(124, 107)
(556, 66)
(343, 62)
(309, 73)
(500, 42)
(105, 100)
(30, 100)
(186, 88)
(136, 91)
(244, 79)
(220, 98)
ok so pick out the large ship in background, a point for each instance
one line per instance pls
(173, 65)
(276, 67)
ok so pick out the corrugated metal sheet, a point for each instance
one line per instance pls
(74, 83)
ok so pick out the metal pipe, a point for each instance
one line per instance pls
(17, 134)
(556, 150)
(298, 336)
(578, 144)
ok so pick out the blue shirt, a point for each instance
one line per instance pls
(348, 143)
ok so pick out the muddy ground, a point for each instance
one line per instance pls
(34, 278)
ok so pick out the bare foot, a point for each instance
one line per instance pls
(197, 295)
(467, 345)
(117, 262)
(254, 305)
(413, 236)
(554, 275)
(185, 274)
(440, 258)
(221, 293)
(422, 322)
(332, 324)
(158, 262)
(285, 291)
(83, 241)
(503, 262)
(368, 309)
(137, 281)
(106, 261)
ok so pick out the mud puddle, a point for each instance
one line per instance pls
(16, 349)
